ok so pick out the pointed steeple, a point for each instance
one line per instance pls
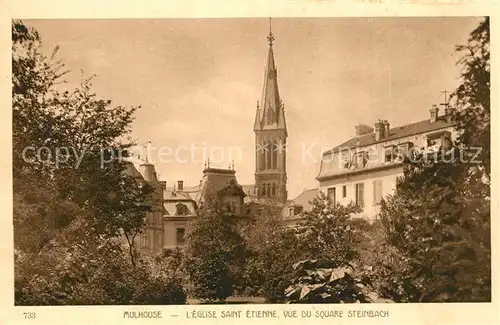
(270, 113)
(270, 135)
(256, 124)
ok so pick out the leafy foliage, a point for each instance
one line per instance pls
(269, 268)
(73, 203)
(79, 267)
(442, 236)
(472, 112)
(322, 282)
(329, 231)
(213, 255)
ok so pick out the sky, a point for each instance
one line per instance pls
(198, 81)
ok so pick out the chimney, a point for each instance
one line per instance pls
(148, 172)
(180, 186)
(434, 113)
(379, 130)
(386, 128)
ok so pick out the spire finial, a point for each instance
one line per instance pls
(270, 38)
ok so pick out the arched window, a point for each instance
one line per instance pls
(262, 156)
(269, 155)
(275, 154)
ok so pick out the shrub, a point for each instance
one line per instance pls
(213, 256)
(322, 282)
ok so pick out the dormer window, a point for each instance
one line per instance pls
(360, 159)
(230, 207)
(345, 161)
(404, 148)
(181, 209)
(389, 153)
(438, 140)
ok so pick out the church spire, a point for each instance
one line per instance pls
(269, 114)
(270, 134)
(270, 38)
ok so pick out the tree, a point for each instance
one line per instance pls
(472, 98)
(441, 238)
(70, 189)
(269, 268)
(214, 250)
(80, 267)
(329, 231)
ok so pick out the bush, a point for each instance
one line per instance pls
(97, 273)
(269, 271)
(213, 257)
(321, 282)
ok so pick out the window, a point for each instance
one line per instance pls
(290, 212)
(388, 155)
(344, 191)
(181, 209)
(377, 191)
(275, 155)
(273, 191)
(179, 236)
(360, 194)
(404, 148)
(269, 152)
(332, 194)
(360, 160)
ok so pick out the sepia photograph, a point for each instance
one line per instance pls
(269, 160)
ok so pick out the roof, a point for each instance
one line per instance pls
(171, 208)
(232, 189)
(270, 115)
(263, 200)
(132, 170)
(249, 189)
(304, 199)
(394, 133)
(170, 195)
(214, 179)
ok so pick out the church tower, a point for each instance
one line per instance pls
(270, 136)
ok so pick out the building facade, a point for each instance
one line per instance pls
(152, 236)
(172, 208)
(364, 169)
